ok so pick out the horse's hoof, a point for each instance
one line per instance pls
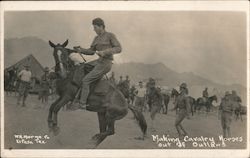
(95, 137)
(50, 129)
(56, 130)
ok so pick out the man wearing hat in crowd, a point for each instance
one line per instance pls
(45, 85)
(235, 97)
(112, 78)
(140, 96)
(150, 86)
(132, 94)
(105, 45)
(183, 107)
(127, 80)
(120, 80)
(25, 80)
(226, 111)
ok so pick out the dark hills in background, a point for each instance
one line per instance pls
(164, 75)
(17, 48)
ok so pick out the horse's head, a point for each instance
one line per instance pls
(61, 56)
(124, 88)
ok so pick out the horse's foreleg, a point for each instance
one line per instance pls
(51, 109)
(55, 110)
(102, 121)
(64, 100)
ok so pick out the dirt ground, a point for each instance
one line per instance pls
(77, 128)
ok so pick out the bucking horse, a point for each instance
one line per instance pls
(105, 98)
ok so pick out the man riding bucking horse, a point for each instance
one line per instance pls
(104, 45)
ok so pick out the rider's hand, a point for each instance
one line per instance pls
(76, 47)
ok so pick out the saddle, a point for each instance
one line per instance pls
(100, 87)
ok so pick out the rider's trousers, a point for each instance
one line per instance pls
(101, 67)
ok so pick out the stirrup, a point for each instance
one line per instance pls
(81, 105)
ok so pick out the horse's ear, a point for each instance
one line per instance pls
(65, 43)
(52, 44)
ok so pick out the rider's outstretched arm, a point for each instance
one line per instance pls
(89, 51)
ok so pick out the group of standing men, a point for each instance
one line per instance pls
(24, 84)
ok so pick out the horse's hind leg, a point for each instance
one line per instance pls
(108, 125)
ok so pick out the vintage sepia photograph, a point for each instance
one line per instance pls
(124, 79)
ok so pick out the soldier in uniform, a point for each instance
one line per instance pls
(45, 85)
(25, 80)
(235, 97)
(105, 45)
(226, 111)
(121, 80)
(112, 78)
(238, 106)
(132, 94)
(149, 89)
(183, 107)
(140, 97)
(127, 80)
(205, 95)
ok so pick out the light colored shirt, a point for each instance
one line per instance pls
(25, 75)
(141, 92)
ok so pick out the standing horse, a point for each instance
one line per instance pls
(208, 104)
(175, 94)
(110, 104)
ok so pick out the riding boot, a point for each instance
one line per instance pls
(84, 96)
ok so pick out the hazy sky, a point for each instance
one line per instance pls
(210, 44)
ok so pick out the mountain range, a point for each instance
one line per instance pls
(17, 48)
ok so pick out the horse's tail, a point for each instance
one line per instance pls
(140, 118)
